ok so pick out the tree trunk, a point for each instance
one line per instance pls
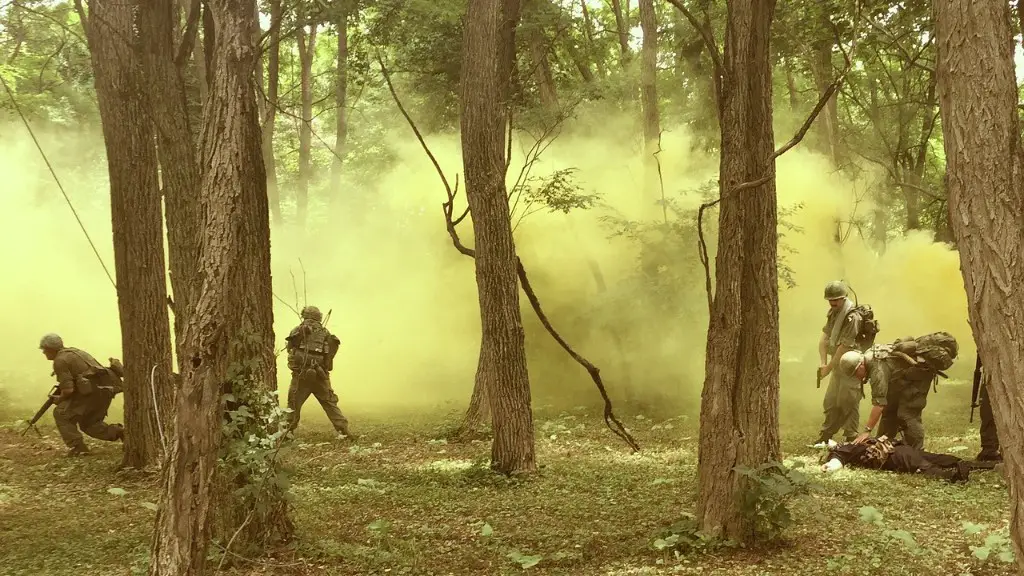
(137, 223)
(488, 56)
(794, 96)
(234, 300)
(166, 98)
(829, 118)
(588, 31)
(539, 46)
(622, 33)
(269, 120)
(740, 401)
(341, 98)
(478, 414)
(649, 75)
(307, 51)
(978, 103)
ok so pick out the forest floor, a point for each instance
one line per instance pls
(402, 500)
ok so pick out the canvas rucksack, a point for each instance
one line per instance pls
(927, 356)
(868, 326)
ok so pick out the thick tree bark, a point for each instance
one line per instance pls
(828, 120)
(542, 67)
(137, 222)
(488, 54)
(341, 96)
(985, 175)
(269, 120)
(649, 75)
(234, 299)
(740, 401)
(166, 98)
(307, 51)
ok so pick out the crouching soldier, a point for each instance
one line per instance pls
(85, 390)
(846, 390)
(311, 349)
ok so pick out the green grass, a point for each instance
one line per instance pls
(402, 501)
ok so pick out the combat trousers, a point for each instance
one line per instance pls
(318, 383)
(842, 409)
(904, 414)
(86, 413)
(989, 436)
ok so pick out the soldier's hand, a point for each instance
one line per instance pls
(824, 369)
(862, 438)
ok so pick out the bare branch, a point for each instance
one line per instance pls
(822, 102)
(709, 41)
(595, 373)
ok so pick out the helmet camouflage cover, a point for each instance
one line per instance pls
(311, 313)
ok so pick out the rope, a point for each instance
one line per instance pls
(24, 120)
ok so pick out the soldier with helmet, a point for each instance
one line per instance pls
(839, 336)
(854, 368)
(85, 390)
(311, 349)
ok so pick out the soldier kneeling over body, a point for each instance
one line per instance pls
(85, 390)
(882, 454)
(311, 349)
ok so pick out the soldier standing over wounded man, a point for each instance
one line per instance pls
(85, 390)
(311, 349)
(838, 336)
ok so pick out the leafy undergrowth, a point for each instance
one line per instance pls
(403, 501)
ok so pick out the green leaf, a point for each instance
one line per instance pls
(981, 552)
(1006, 556)
(971, 528)
(150, 506)
(486, 530)
(870, 514)
(117, 491)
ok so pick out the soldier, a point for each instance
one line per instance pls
(989, 436)
(854, 369)
(883, 454)
(85, 392)
(839, 335)
(311, 349)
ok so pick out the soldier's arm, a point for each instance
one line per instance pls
(823, 348)
(65, 378)
(879, 382)
(847, 340)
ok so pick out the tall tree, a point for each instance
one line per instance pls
(269, 118)
(166, 99)
(488, 56)
(985, 172)
(649, 75)
(740, 402)
(234, 297)
(341, 92)
(137, 224)
(307, 52)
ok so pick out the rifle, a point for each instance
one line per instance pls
(42, 410)
(976, 388)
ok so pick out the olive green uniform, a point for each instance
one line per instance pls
(841, 404)
(86, 408)
(311, 350)
(849, 392)
(907, 400)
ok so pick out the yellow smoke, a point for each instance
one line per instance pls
(403, 301)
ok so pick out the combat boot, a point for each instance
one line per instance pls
(988, 456)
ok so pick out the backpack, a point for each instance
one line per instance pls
(927, 356)
(869, 327)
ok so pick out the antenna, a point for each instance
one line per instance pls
(850, 288)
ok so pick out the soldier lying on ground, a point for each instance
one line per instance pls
(85, 391)
(882, 454)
